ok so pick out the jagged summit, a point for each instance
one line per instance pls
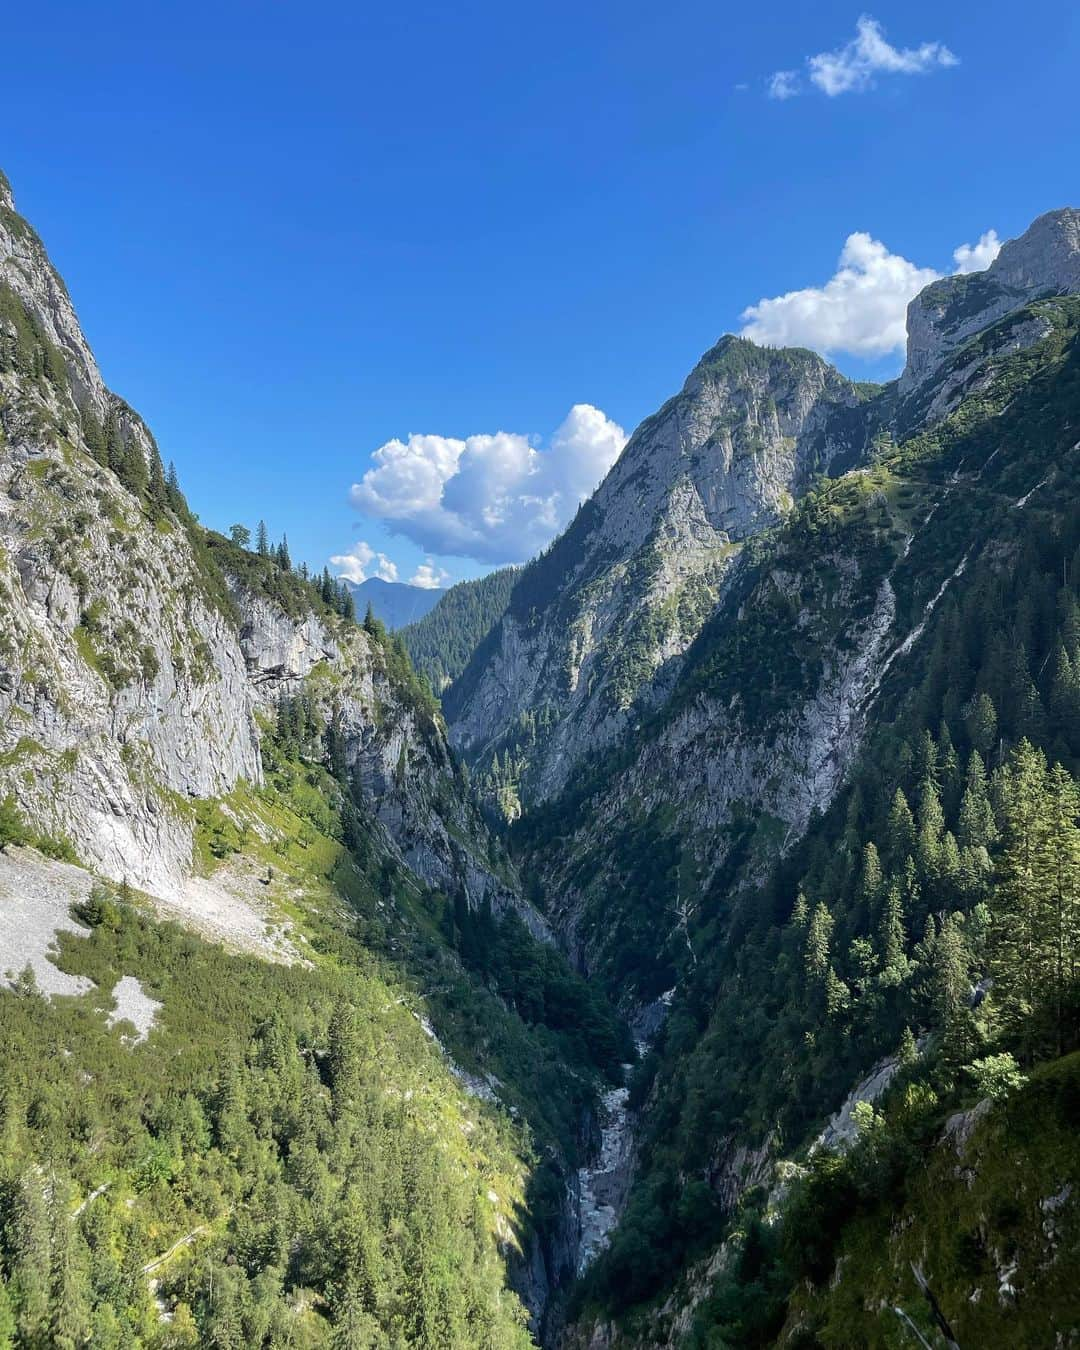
(7, 201)
(1044, 260)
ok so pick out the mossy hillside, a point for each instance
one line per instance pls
(506, 1006)
(994, 1225)
(183, 1164)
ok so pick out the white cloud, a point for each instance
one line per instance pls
(429, 577)
(356, 565)
(783, 84)
(862, 308)
(977, 257)
(853, 67)
(496, 498)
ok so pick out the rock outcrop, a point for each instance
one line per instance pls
(1044, 260)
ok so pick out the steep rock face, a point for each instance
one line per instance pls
(393, 748)
(1044, 260)
(740, 772)
(121, 683)
(131, 677)
(602, 621)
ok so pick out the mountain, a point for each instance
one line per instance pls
(443, 641)
(395, 603)
(708, 977)
(773, 859)
(598, 627)
(232, 832)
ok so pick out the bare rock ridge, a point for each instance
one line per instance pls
(130, 679)
(1044, 260)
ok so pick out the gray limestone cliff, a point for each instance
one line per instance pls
(133, 673)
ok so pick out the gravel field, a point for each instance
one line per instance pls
(35, 898)
(133, 1005)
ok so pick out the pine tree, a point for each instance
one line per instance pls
(950, 990)
(837, 995)
(27, 1233)
(114, 442)
(976, 827)
(908, 1053)
(70, 1298)
(891, 939)
(94, 436)
(931, 824)
(11, 826)
(983, 726)
(172, 490)
(262, 540)
(1017, 961)
(870, 881)
(1059, 920)
(818, 937)
(900, 829)
(1065, 698)
(157, 491)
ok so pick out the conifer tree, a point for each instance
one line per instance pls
(983, 726)
(900, 829)
(976, 827)
(818, 937)
(891, 939)
(262, 540)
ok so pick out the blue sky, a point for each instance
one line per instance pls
(295, 235)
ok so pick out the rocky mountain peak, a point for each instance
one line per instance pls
(26, 272)
(1044, 260)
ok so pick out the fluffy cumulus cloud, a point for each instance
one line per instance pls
(497, 498)
(977, 257)
(429, 577)
(862, 308)
(362, 562)
(855, 67)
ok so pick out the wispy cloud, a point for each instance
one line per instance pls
(783, 84)
(862, 308)
(856, 66)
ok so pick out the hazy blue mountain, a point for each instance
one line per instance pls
(396, 603)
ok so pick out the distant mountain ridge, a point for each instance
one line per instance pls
(396, 603)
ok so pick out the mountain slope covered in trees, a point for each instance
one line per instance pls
(443, 641)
